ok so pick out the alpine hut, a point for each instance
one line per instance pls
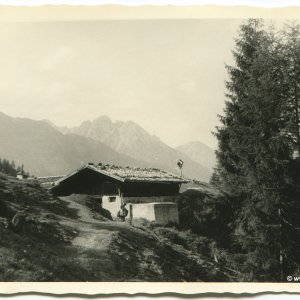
(149, 192)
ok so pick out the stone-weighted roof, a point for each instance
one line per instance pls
(133, 174)
(136, 174)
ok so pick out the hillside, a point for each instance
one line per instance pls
(44, 238)
(45, 151)
(200, 153)
(131, 139)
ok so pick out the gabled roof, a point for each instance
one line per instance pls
(132, 174)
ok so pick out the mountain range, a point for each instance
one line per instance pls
(46, 149)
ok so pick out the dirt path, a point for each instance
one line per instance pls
(84, 212)
(113, 251)
(91, 234)
(95, 245)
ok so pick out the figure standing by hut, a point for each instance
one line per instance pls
(123, 212)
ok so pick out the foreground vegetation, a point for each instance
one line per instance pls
(43, 238)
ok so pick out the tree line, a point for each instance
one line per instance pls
(10, 168)
(258, 151)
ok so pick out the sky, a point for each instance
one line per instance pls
(166, 75)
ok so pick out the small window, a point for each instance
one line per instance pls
(112, 199)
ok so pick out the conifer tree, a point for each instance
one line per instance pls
(9, 168)
(255, 152)
(231, 136)
(290, 210)
(291, 50)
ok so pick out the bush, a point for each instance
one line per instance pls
(205, 214)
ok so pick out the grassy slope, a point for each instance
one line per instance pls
(43, 238)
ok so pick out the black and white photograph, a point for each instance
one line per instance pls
(149, 149)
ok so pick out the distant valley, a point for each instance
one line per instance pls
(46, 149)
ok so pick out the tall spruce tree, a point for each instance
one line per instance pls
(290, 211)
(255, 153)
(235, 121)
(291, 51)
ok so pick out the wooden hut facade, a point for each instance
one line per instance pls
(135, 186)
